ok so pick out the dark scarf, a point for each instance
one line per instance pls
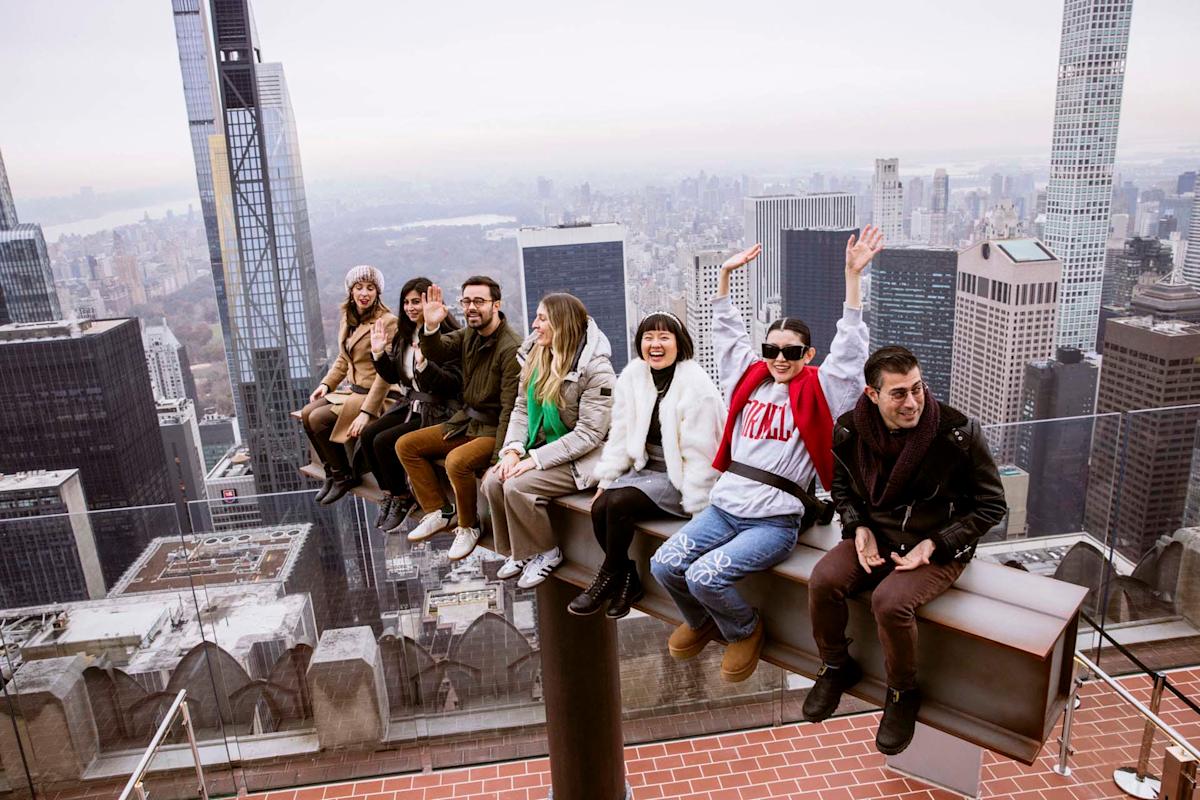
(888, 459)
(662, 382)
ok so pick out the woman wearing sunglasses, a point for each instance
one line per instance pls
(778, 438)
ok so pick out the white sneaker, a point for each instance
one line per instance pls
(431, 523)
(539, 568)
(511, 568)
(465, 540)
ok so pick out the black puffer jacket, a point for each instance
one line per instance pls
(954, 498)
(437, 386)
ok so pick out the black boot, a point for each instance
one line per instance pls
(826, 693)
(385, 508)
(603, 586)
(629, 593)
(343, 481)
(899, 721)
(401, 505)
(325, 489)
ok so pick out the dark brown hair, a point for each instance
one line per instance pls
(894, 359)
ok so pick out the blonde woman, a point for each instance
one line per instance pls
(562, 414)
(335, 414)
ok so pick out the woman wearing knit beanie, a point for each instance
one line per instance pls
(335, 414)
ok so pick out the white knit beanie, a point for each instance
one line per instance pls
(365, 272)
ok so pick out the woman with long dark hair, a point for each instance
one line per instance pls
(335, 414)
(428, 395)
(778, 439)
(666, 423)
(562, 413)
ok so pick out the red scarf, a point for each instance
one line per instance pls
(809, 411)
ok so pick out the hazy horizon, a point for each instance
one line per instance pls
(382, 91)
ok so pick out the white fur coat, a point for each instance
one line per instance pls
(692, 416)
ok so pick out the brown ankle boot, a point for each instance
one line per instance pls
(687, 642)
(741, 658)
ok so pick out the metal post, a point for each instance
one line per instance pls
(1137, 781)
(1063, 767)
(191, 735)
(581, 686)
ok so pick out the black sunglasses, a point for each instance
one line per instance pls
(793, 352)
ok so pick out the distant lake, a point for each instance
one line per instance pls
(480, 220)
(115, 219)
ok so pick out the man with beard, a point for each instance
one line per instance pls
(487, 352)
(916, 487)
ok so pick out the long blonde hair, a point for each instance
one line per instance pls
(568, 323)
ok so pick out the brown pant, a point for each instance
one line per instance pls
(520, 509)
(894, 603)
(464, 455)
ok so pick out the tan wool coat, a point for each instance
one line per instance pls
(355, 366)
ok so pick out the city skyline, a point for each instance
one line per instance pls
(655, 106)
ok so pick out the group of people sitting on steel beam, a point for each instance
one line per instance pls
(912, 479)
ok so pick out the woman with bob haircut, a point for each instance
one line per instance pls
(666, 423)
(562, 414)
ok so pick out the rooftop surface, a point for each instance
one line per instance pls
(38, 479)
(835, 760)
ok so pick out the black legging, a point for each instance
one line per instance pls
(379, 449)
(614, 515)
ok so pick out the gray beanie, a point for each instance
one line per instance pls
(365, 272)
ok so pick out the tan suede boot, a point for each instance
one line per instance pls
(741, 658)
(687, 642)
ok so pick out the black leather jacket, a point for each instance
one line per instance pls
(954, 498)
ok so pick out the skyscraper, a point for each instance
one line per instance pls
(184, 454)
(1191, 263)
(1137, 257)
(27, 291)
(79, 397)
(275, 333)
(887, 199)
(701, 269)
(47, 547)
(168, 363)
(939, 207)
(813, 263)
(912, 304)
(1061, 392)
(1005, 312)
(1087, 111)
(1139, 468)
(766, 217)
(194, 42)
(586, 260)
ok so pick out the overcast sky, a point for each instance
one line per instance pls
(92, 96)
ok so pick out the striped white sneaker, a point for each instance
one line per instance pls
(431, 523)
(511, 568)
(539, 568)
(465, 540)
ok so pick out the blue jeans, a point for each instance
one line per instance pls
(700, 564)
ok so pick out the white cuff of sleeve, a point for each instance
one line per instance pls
(537, 461)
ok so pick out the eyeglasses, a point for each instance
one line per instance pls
(793, 352)
(900, 395)
(477, 302)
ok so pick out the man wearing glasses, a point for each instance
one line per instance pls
(487, 348)
(916, 487)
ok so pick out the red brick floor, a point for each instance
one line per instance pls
(832, 761)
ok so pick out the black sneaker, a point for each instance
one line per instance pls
(630, 592)
(826, 693)
(397, 513)
(592, 599)
(899, 721)
(385, 508)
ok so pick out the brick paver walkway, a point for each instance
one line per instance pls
(832, 761)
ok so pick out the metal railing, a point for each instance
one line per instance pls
(134, 787)
(1134, 781)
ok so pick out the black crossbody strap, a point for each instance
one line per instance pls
(820, 511)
